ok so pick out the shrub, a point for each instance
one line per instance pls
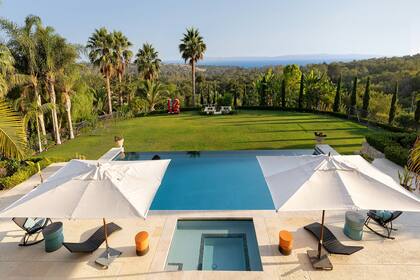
(395, 146)
(225, 100)
(405, 119)
(397, 154)
(379, 141)
(25, 172)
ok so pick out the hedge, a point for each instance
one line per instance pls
(397, 154)
(24, 173)
(395, 146)
(387, 127)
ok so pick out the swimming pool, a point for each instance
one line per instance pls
(212, 180)
(227, 245)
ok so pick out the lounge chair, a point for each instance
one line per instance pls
(330, 242)
(383, 221)
(93, 242)
(31, 226)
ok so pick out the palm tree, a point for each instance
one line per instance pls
(148, 62)
(153, 93)
(123, 57)
(12, 133)
(54, 54)
(413, 163)
(192, 49)
(23, 45)
(32, 111)
(7, 69)
(102, 54)
(68, 80)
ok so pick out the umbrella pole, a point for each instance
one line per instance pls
(318, 260)
(106, 234)
(321, 238)
(106, 258)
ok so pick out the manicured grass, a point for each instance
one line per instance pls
(191, 131)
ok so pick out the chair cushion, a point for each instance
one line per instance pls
(383, 214)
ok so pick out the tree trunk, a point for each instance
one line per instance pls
(121, 91)
(54, 113)
(40, 116)
(68, 110)
(108, 90)
(193, 82)
(38, 135)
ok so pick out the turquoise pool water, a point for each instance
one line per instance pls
(225, 180)
(227, 245)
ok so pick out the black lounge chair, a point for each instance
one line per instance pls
(31, 226)
(385, 223)
(330, 242)
(93, 242)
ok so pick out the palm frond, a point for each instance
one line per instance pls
(12, 133)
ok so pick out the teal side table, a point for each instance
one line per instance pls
(53, 236)
(353, 226)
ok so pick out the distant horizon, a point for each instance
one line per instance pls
(266, 61)
(266, 28)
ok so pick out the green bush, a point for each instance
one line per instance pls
(225, 100)
(380, 141)
(25, 172)
(395, 146)
(397, 154)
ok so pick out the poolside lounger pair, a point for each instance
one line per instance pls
(383, 220)
(330, 242)
(31, 226)
(93, 242)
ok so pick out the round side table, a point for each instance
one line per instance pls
(353, 226)
(53, 236)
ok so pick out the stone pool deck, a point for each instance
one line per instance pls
(380, 259)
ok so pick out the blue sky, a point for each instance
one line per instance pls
(238, 28)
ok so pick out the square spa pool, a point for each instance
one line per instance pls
(224, 245)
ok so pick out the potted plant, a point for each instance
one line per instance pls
(406, 179)
(319, 137)
(119, 141)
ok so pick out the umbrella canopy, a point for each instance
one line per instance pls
(322, 182)
(88, 189)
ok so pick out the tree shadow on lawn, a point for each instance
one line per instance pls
(280, 123)
(353, 130)
(296, 139)
(277, 120)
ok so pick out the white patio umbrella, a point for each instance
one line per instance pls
(88, 189)
(322, 182)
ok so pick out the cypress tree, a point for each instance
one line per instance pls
(393, 103)
(417, 114)
(283, 93)
(366, 98)
(353, 97)
(337, 99)
(302, 85)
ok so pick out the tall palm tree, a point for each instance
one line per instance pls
(192, 49)
(153, 93)
(148, 62)
(31, 112)
(54, 53)
(23, 45)
(123, 57)
(102, 54)
(68, 80)
(7, 69)
(13, 142)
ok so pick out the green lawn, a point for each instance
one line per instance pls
(190, 131)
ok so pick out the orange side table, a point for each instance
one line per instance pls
(142, 243)
(285, 242)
